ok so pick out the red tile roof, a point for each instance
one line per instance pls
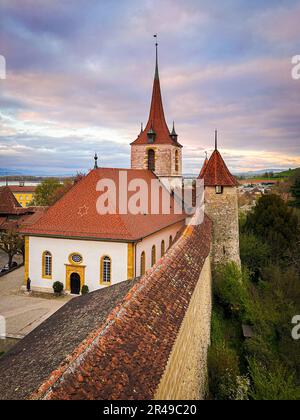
(125, 353)
(8, 202)
(156, 119)
(75, 214)
(31, 218)
(25, 189)
(217, 173)
(203, 168)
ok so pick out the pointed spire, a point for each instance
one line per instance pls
(203, 167)
(173, 130)
(216, 139)
(156, 121)
(156, 75)
(96, 161)
(173, 134)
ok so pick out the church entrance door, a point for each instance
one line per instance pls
(75, 283)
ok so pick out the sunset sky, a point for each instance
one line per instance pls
(79, 80)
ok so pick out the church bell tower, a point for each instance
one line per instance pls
(156, 148)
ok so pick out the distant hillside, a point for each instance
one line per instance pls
(289, 173)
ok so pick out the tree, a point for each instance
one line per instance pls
(272, 384)
(11, 243)
(295, 191)
(254, 254)
(275, 223)
(46, 191)
(60, 191)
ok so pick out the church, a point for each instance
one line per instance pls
(75, 245)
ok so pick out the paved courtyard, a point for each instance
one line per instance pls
(4, 259)
(23, 312)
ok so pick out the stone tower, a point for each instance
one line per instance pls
(221, 205)
(156, 148)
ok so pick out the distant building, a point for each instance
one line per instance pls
(12, 214)
(24, 194)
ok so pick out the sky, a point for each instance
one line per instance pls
(79, 78)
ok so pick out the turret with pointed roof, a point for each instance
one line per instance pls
(215, 171)
(165, 153)
(203, 167)
(221, 205)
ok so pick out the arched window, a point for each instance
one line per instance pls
(151, 160)
(170, 241)
(143, 263)
(176, 160)
(163, 248)
(153, 256)
(105, 270)
(47, 265)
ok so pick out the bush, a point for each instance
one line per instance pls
(84, 289)
(254, 254)
(276, 224)
(58, 287)
(223, 368)
(272, 384)
(217, 327)
(230, 290)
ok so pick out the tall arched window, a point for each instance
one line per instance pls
(153, 255)
(105, 270)
(163, 248)
(176, 160)
(170, 241)
(151, 160)
(143, 263)
(47, 265)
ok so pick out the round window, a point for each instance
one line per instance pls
(76, 258)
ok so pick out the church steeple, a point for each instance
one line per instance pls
(156, 147)
(156, 121)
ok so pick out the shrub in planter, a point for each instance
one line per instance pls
(58, 287)
(84, 289)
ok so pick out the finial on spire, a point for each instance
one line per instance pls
(142, 128)
(96, 161)
(216, 139)
(206, 155)
(173, 134)
(156, 57)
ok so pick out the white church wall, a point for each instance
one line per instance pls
(91, 251)
(155, 239)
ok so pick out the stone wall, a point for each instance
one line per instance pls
(186, 372)
(164, 158)
(223, 211)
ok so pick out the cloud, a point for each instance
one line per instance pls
(79, 80)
